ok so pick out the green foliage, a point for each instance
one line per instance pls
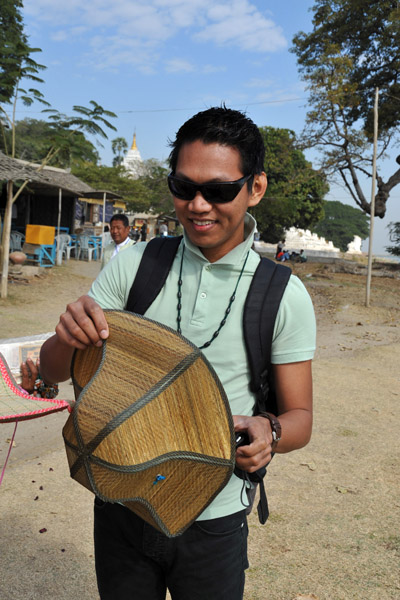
(368, 34)
(341, 223)
(114, 179)
(394, 236)
(119, 146)
(295, 190)
(16, 62)
(353, 49)
(34, 138)
(154, 180)
(14, 51)
(148, 193)
(66, 129)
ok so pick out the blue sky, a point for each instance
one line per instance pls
(157, 62)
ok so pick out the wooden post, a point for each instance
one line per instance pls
(104, 223)
(6, 239)
(371, 225)
(58, 250)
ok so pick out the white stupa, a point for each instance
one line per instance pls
(133, 162)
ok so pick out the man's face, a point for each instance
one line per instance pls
(215, 228)
(118, 231)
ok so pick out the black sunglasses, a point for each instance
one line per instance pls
(220, 191)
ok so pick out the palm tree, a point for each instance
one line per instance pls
(119, 146)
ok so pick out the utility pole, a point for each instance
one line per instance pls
(372, 212)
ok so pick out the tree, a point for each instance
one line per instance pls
(119, 147)
(295, 190)
(34, 138)
(394, 236)
(114, 179)
(154, 181)
(14, 48)
(89, 120)
(148, 193)
(66, 130)
(354, 48)
(341, 223)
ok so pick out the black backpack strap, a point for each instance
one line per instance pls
(152, 273)
(260, 310)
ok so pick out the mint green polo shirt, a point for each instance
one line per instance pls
(206, 290)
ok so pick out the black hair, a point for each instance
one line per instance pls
(120, 217)
(221, 125)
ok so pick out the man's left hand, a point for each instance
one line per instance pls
(29, 372)
(258, 453)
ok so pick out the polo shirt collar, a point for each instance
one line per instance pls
(235, 256)
(118, 246)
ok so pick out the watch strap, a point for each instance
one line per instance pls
(275, 427)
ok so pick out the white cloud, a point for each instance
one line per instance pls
(59, 36)
(259, 83)
(117, 52)
(208, 69)
(241, 24)
(135, 32)
(178, 65)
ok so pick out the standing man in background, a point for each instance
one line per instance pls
(143, 232)
(120, 240)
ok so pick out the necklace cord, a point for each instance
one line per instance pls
(227, 311)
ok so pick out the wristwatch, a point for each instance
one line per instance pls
(275, 427)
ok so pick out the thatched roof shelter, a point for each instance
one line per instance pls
(51, 183)
(15, 169)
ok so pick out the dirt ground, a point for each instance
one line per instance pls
(333, 533)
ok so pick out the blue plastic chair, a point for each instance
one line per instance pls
(85, 246)
(16, 241)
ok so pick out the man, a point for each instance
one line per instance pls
(119, 230)
(143, 232)
(302, 256)
(217, 174)
(163, 229)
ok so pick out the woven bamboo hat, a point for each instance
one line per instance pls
(151, 427)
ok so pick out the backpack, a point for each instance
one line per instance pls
(260, 310)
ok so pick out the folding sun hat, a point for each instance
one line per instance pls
(151, 426)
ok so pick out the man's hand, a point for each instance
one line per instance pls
(83, 324)
(29, 372)
(258, 453)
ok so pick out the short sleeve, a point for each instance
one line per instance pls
(111, 287)
(294, 337)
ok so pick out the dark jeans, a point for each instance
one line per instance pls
(135, 561)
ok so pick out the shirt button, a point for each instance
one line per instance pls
(203, 295)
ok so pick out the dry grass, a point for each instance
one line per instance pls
(334, 528)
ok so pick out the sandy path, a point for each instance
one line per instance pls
(334, 525)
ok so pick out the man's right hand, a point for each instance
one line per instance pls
(83, 324)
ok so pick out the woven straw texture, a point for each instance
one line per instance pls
(17, 405)
(151, 427)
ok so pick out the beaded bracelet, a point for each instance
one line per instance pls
(45, 390)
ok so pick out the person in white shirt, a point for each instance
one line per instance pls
(120, 240)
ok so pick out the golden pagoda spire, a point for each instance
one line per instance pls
(134, 147)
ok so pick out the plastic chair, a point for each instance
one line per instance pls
(71, 245)
(84, 246)
(62, 241)
(16, 241)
